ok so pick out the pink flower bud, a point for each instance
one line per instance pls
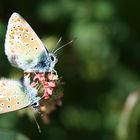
(33, 84)
(40, 77)
(53, 77)
(49, 84)
(49, 91)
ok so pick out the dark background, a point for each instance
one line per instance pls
(100, 69)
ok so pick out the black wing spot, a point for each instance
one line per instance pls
(8, 106)
(17, 103)
(32, 38)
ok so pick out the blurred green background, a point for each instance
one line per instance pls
(100, 69)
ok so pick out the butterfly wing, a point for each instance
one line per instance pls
(22, 46)
(12, 96)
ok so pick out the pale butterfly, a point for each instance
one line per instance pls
(15, 95)
(25, 50)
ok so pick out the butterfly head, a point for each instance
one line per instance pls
(52, 59)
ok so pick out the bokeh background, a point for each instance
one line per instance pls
(100, 69)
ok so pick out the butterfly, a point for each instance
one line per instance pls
(18, 94)
(25, 50)
(15, 95)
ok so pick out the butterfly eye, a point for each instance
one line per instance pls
(52, 58)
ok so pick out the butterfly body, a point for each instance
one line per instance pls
(44, 64)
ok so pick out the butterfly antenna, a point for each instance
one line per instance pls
(62, 46)
(59, 41)
(37, 124)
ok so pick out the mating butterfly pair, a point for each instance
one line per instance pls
(26, 51)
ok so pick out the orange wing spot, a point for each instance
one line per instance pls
(11, 42)
(11, 36)
(12, 32)
(25, 35)
(15, 20)
(21, 29)
(26, 29)
(18, 19)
